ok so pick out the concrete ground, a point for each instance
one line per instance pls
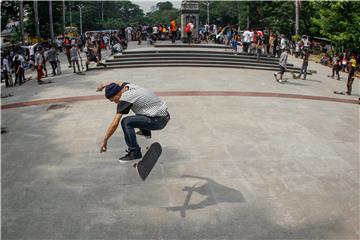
(244, 157)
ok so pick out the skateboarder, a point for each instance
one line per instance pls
(282, 64)
(150, 114)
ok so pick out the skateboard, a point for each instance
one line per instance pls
(294, 75)
(339, 92)
(149, 160)
(44, 82)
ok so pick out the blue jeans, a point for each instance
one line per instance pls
(142, 122)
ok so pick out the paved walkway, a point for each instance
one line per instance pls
(243, 158)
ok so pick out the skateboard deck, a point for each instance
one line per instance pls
(45, 82)
(149, 160)
(338, 92)
(294, 75)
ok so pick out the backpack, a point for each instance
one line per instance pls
(187, 28)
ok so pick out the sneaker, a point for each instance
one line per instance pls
(140, 133)
(130, 156)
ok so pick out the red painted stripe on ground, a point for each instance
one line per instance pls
(183, 94)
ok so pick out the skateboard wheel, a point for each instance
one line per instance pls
(135, 164)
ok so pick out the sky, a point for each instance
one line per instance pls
(146, 4)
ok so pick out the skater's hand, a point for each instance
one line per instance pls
(103, 147)
(100, 87)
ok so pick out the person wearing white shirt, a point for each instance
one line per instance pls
(128, 33)
(246, 40)
(155, 31)
(282, 44)
(189, 29)
(31, 49)
(39, 65)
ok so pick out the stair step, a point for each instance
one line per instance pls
(186, 51)
(210, 65)
(195, 55)
(189, 61)
(191, 46)
(190, 58)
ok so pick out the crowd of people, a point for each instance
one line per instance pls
(16, 59)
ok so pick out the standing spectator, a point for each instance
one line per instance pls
(282, 65)
(53, 56)
(215, 29)
(266, 45)
(98, 50)
(22, 67)
(129, 30)
(272, 45)
(17, 69)
(253, 42)
(31, 50)
(67, 47)
(138, 34)
(335, 66)
(75, 54)
(246, 41)
(173, 29)
(92, 38)
(305, 63)
(59, 45)
(155, 32)
(39, 65)
(282, 44)
(188, 30)
(6, 71)
(352, 69)
(344, 63)
(228, 35)
(259, 46)
(106, 41)
(45, 59)
(206, 32)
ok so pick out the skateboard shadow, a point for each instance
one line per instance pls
(215, 192)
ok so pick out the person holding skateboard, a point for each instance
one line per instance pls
(150, 114)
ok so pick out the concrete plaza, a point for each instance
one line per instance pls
(244, 157)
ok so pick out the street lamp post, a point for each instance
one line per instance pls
(208, 15)
(297, 6)
(80, 7)
(70, 17)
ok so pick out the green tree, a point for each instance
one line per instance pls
(9, 11)
(339, 21)
(164, 6)
(164, 14)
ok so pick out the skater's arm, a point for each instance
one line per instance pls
(110, 131)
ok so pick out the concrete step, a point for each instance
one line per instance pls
(212, 46)
(187, 51)
(191, 61)
(193, 64)
(195, 55)
(191, 58)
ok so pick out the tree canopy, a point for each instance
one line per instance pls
(338, 21)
